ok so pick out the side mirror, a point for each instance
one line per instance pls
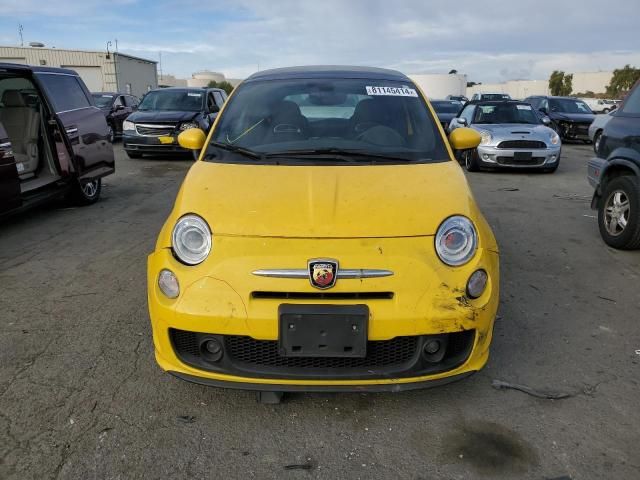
(543, 110)
(119, 107)
(214, 109)
(461, 121)
(192, 139)
(546, 120)
(464, 139)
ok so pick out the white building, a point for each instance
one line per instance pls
(439, 85)
(595, 82)
(101, 71)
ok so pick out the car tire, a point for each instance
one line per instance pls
(134, 154)
(620, 201)
(470, 158)
(111, 134)
(596, 140)
(86, 193)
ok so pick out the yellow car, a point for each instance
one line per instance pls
(325, 240)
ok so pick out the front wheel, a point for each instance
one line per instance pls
(619, 213)
(470, 161)
(596, 140)
(111, 134)
(86, 193)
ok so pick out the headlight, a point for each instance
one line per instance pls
(555, 139)
(127, 125)
(456, 240)
(191, 239)
(485, 138)
(188, 125)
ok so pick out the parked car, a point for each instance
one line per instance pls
(513, 136)
(615, 175)
(599, 105)
(459, 98)
(481, 97)
(596, 128)
(446, 110)
(241, 294)
(53, 141)
(116, 108)
(570, 116)
(164, 113)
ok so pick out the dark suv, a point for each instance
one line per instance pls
(53, 140)
(570, 117)
(615, 174)
(116, 108)
(164, 113)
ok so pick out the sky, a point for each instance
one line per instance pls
(490, 41)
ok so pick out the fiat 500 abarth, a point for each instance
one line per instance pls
(325, 240)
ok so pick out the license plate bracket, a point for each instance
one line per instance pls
(323, 330)
(522, 156)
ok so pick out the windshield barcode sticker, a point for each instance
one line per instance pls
(523, 107)
(392, 91)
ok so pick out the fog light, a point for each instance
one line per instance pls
(168, 283)
(434, 349)
(432, 346)
(211, 350)
(485, 156)
(477, 283)
(553, 158)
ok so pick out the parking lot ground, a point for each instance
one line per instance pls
(81, 396)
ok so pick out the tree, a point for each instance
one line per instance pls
(560, 83)
(622, 80)
(224, 85)
(453, 72)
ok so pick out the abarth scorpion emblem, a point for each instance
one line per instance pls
(323, 272)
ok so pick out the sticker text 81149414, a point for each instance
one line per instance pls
(392, 91)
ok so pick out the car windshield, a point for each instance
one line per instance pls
(102, 100)
(568, 105)
(313, 119)
(450, 106)
(506, 113)
(178, 100)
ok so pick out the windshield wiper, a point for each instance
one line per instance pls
(338, 152)
(240, 150)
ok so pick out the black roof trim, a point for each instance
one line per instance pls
(328, 71)
(37, 69)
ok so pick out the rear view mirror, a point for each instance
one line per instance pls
(461, 121)
(464, 139)
(192, 139)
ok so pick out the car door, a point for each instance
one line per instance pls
(621, 134)
(120, 111)
(82, 126)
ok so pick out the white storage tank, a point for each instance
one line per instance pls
(202, 79)
(439, 85)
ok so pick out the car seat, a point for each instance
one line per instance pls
(22, 124)
(288, 123)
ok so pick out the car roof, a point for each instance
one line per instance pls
(328, 71)
(38, 69)
(187, 89)
(496, 102)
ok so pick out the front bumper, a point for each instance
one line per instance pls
(595, 165)
(221, 298)
(490, 156)
(573, 130)
(133, 142)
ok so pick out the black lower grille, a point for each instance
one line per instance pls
(534, 161)
(324, 295)
(398, 357)
(522, 144)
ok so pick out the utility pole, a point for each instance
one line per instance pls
(20, 29)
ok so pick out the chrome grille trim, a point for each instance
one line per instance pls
(303, 273)
(154, 129)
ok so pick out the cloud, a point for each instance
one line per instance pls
(492, 41)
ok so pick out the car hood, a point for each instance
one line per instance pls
(156, 116)
(325, 201)
(516, 130)
(572, 117)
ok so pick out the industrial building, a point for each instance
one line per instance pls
(583, 82)
(439, 85)
(198, 79)
(101, 71)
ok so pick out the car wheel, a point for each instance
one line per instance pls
(619, 213)
(134, 154)
(111, 134)
(86, 193)
(552, 169)
(470, 160)
(596, 140)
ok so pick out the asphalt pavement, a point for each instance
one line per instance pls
(81, 396)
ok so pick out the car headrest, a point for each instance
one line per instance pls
(287, 110)
(369, 110)
(12, 98)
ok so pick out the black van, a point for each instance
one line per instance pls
(53, 140)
